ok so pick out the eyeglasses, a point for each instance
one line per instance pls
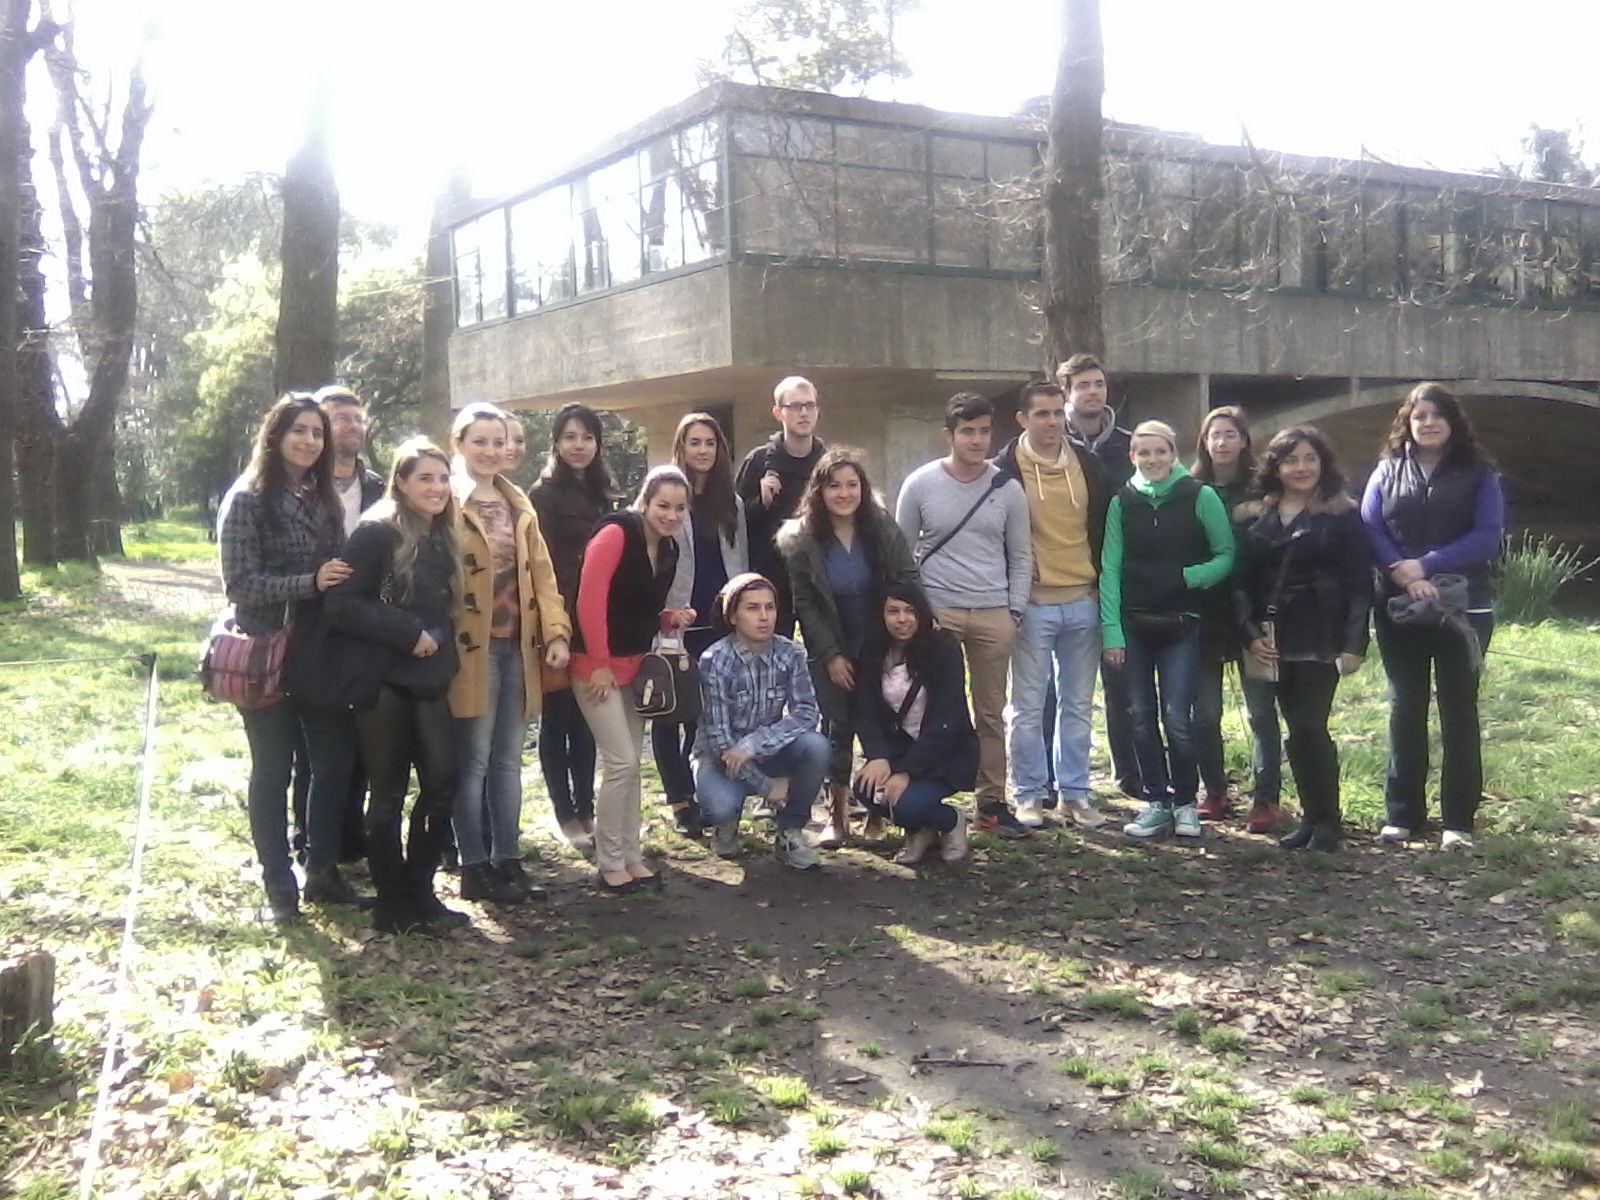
(800, 406)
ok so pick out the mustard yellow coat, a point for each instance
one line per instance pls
(543, 616)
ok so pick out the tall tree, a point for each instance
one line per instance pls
(308, 302)
(817, 45)
(1073, 190)
(17, 45)
(103, 288)
(38, 420)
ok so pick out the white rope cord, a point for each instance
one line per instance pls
(128, 948)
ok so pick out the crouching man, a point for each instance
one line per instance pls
(758, 725)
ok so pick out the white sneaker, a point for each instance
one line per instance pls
(1394, 833)
(955, 842)
(1031, 813)
(792, 848)
(1086, 816)
(918, 843)
(1186, 821)
(1455, 839)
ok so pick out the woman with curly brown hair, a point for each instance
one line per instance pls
(842, 550)
(1302, 589)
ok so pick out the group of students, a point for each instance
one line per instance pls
(434, 617)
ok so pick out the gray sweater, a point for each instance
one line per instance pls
(989, 564)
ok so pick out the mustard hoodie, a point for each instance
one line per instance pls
(1058, 509)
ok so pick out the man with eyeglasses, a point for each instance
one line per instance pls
(772, 479)
(359, 487)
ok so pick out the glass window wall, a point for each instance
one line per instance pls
(805, 187)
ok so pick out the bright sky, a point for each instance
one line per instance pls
(514, 89)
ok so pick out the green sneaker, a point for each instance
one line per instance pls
(1153, 820)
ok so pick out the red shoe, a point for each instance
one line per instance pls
(1214, 808)
(1263, 817)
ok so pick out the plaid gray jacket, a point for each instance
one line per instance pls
(264, 569)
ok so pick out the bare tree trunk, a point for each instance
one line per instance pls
(105, 530)
(38, 422)
(307, 335)
(109, 178)
(17, 45)
(1073, 190)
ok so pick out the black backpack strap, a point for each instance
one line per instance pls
(999, 480)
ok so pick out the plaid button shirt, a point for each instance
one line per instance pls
(758, 700)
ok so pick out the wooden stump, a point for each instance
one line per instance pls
(27, 999)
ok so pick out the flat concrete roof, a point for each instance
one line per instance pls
(1138, 140)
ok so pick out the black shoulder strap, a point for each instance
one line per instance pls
(997, 481)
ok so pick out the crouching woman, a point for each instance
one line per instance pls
(405, 578)
(916, 733)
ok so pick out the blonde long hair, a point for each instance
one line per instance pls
(413, 528)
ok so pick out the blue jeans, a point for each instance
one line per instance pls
(1067, 637)
(803, 762)
(273, 733)
(1266, 740)
(921, 806)
(490, 751)
(1169, 773)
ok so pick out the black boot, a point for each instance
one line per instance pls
(1300, 838)
(327, 886)
(687, 819)
(511, 870)
(427, 903)
(284, 902)
(1325, 837)
(399, 916)
(480, 881)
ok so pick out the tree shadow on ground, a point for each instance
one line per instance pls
(1044, 1015)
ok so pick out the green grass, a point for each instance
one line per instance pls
(825, 1143)
(1139, 1183)
(180, 538)
(726, 1105)
(714, 1037)
(1219, 1040)
(785, 1091)
(854, 1181)
(1216, 1152)
(1331, 1143)
(1115, 1002)
(1448, 1162)
(959, 1132)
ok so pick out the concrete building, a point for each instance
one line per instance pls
(891, 253)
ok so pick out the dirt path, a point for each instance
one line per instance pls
(181, 591)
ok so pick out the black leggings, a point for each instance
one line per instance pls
(566, 756)
(398, 732)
